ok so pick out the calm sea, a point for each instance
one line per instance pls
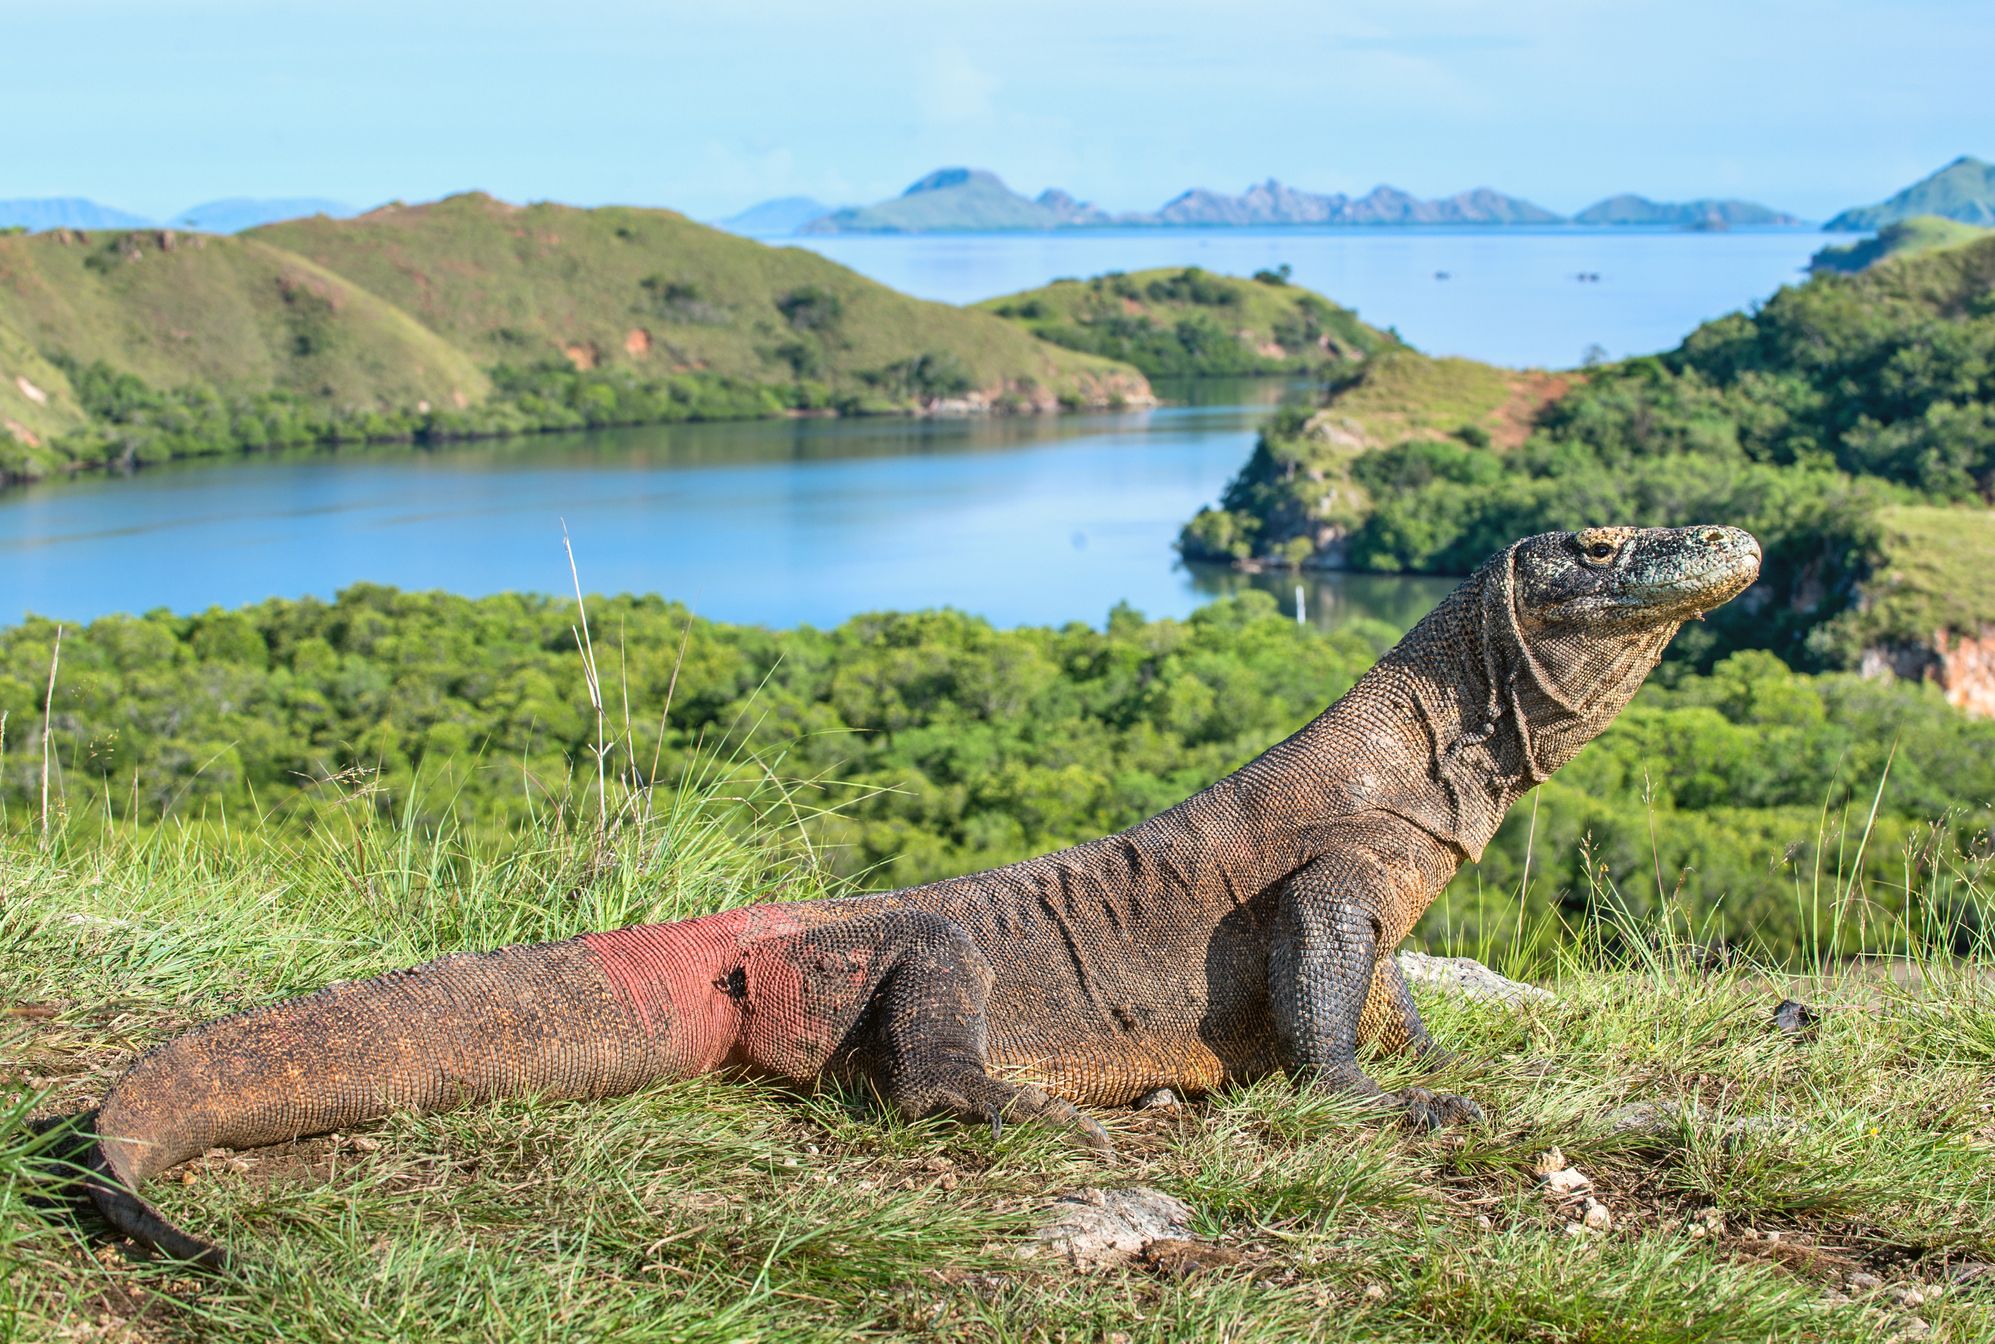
(1511, 296)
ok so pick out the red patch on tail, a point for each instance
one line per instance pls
(688, 982)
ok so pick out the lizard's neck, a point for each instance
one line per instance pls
(1455, 724)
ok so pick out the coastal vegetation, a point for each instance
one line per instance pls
(470, 316)
(1808, 421)
(1183, 322)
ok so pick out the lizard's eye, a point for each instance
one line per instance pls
(1599, 552)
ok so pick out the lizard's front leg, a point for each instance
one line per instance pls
(1322, 966)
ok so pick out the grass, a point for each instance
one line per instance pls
(517, 284)
(1932, 574)
(234, 314)
(723, 1209)
(1905, 237)
(1407, 395)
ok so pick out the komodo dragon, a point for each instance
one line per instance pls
(1247, 929)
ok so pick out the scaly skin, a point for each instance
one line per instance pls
(1245, 930)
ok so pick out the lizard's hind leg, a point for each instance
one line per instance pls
(926, 1048)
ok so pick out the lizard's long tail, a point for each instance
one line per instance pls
(595, 1016)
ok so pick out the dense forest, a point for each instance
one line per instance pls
(920, 745)
(1806, 421)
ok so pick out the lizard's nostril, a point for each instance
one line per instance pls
(1714, 536)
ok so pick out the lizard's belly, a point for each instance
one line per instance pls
(1117, 1070)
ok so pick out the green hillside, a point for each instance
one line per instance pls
(1181, 322)
(1907, 237)
(1811, 421)
(233, 314)
(653, 292)
(1964, 190)
(471, 316)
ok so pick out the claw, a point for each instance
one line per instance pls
(997, 1125)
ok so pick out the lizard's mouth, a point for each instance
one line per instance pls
(1705, 568)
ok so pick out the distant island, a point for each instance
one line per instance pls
(232, 215)
(1964, 191)
(975, 200)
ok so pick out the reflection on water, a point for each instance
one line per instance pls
(1024, 520)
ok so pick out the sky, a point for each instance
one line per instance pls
(154, 105)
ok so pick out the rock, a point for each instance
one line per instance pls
(1469, 978)
(1597, 1218)
(1182, 1257)
(1093, 1228)
(1862, 1282)
(1795, 1019)
(1157, 1099)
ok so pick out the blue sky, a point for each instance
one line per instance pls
(1808, 106)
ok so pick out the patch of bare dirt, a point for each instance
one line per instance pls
(1530, 392)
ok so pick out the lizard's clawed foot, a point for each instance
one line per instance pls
(1424, 1109)
(1000, 1103)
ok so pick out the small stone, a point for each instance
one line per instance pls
(1092, 1228)
(1773, 1236)
(1911, 1297)
(1482, 1221)
(1468, 978)
(1183, 1257)
(1374, 1293)
(1864, 1283)
(1570, 1183)
(1597, 1217)
(791, 1162)
(187, 1177)
(366, 1143)
(1795, 1019)
(1157, 1099)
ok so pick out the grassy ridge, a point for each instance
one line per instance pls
(471, 316)
(234, 314)
(1188, 322)
(656, 291)
(1905, 237)
(712, 1209)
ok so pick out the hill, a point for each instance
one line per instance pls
(1905, 237)
(471, 316)
(1802, 421)
(956, 199)
(767, 219)
(1700, 213)
(652, 293)
(235, 315)
(236, 213)
(1182, 322)
(1964, 190)
(66, 212)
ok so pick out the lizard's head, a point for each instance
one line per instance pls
(1573, 621)
(1628, 581)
